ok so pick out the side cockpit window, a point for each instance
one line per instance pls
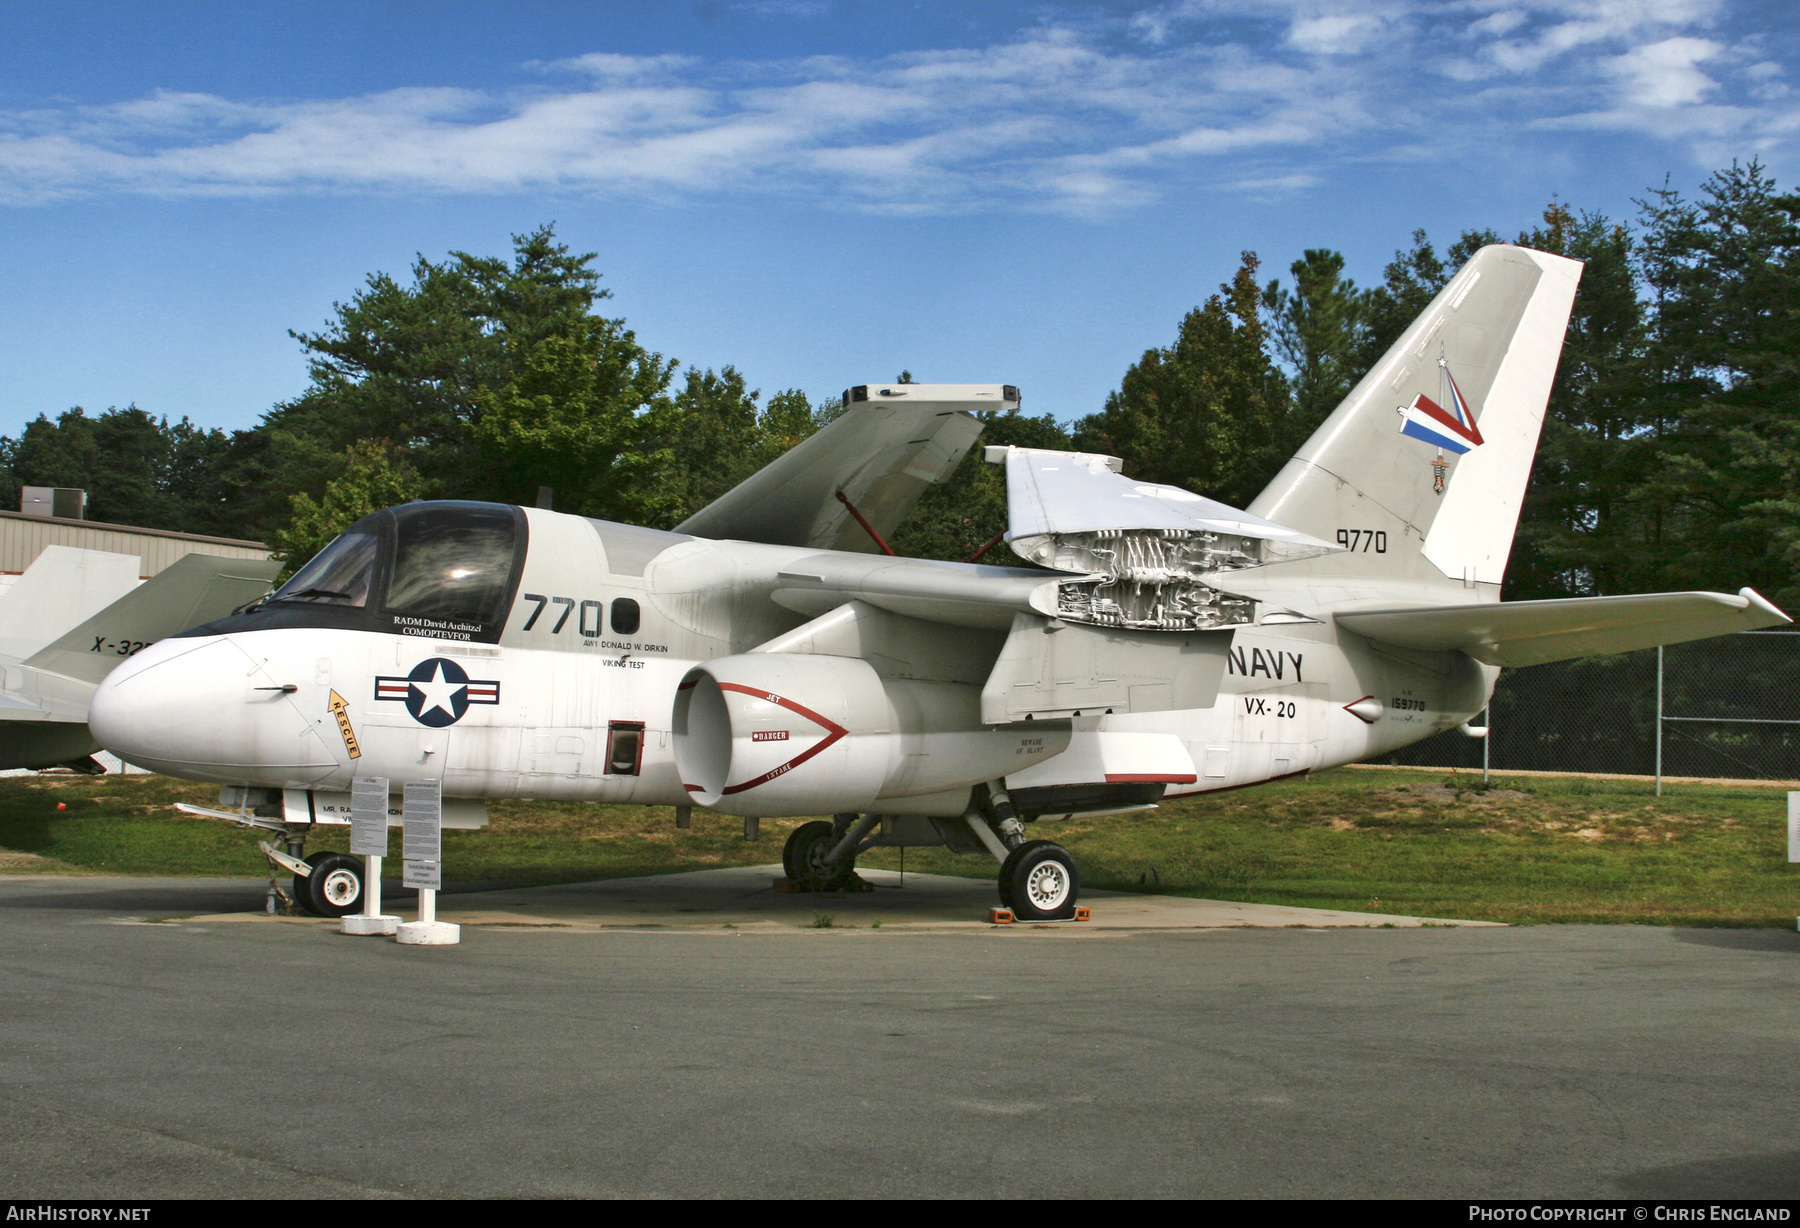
(340, 574)
(452, 564)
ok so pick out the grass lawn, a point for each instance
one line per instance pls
(1537, 850)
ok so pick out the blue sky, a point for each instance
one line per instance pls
(818, 192)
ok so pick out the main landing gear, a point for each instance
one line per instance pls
(821, 856)
(1038, 880)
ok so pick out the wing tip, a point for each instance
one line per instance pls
(1763, 606)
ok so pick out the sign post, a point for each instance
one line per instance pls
(422, 847)
(1794, 827)
(369, 840)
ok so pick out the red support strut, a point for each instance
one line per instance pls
(867, 527)
(992, 542)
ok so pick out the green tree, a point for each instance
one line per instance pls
(136, 468)
(1582, 528)
(372, 475)
(712, 441)
(1318, 329)
(575, 417)
(575, 397)
(1723, 382)
(959, 516)
(1210, 412)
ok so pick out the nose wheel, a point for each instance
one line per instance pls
(1039, 882)
(335, 886)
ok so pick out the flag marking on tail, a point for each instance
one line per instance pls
(1452, 429)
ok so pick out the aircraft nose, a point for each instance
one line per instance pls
(206, 709)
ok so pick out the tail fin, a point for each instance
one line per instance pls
(63, 586)
(1421, 471)
(194, 589)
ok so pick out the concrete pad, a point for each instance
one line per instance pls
(745, 898)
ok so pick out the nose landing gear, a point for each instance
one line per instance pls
(326, 884)
(335, 886)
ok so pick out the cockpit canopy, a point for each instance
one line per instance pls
(446, 569)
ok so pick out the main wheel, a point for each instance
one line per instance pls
(335, 888)
(803, 857)
(1039, 882)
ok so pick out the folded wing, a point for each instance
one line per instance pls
(1053, 494)
(893, 442)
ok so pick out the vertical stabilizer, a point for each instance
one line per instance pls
(1421, 471)
(62, 587)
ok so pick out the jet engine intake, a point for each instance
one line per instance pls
(770, 734)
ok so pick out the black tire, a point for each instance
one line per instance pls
(803, 856)
(1039, 881)
(336, 886)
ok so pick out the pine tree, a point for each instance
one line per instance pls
(1210, 412)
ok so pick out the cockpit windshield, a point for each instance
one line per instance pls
(443, 569)
(340, 574)
(452, 563)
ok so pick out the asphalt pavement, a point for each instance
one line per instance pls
(143, 1057)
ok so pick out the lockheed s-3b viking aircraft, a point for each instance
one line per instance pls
(770, 658)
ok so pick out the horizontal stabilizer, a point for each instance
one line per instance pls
(1515, 633)
(893, 442)
(194, 589)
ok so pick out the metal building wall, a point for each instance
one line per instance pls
(23, 538)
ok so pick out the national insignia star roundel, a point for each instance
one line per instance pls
(437, 692)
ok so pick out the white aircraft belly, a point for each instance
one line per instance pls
(1263, 727)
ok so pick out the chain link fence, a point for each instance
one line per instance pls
(1723, 707)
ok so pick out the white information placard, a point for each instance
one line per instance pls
(422, 821)
(368, 816)
(422, 874)
(1794, 827)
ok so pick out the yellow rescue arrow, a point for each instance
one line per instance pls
(341, 710)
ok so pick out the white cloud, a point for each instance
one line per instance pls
(1665, 74)
(1570, 25)
(1334, 33)
(1062, 118)
(1499, 24)
(786, 8)
(1276, 185)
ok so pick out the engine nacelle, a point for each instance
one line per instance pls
(770, 734)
